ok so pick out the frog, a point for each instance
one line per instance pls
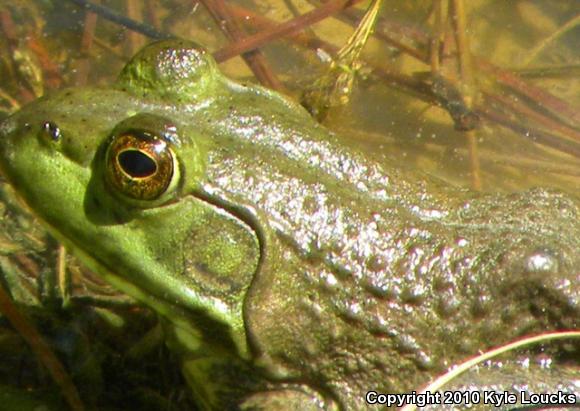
(290, 269)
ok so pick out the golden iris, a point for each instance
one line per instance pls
(140, 165)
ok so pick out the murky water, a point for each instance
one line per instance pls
(523, 60)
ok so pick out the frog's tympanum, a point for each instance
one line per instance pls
(291, 270)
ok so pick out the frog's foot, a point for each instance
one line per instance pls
(288, 399)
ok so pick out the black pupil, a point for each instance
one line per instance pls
(137, 164)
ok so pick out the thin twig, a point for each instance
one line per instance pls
(465, 71)
(122, 20)
(41, 350)
(393, 33)
(436, 37)
(8, 28)
(282, 29)
(551, 71)
(556, 106)
(52, 75)
(569, 25)
(152, 13)
(388, 74)
(524, 110)
(535, 135)
(64, 277)
(462, 40)
(235, 33)
(133, 40)
(303, 38)
(83, 64)
(409, 83)
(449, 376)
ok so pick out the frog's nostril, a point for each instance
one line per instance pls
(51, 131)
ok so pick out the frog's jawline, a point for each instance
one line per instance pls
(251, 217)
(166, 308)
(158, 304)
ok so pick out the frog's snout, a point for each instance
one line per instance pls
(12, 128)
(19, 149)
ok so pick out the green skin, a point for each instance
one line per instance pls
(289, 267)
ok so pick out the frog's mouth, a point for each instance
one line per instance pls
(187, 321)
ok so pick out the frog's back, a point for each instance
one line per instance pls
(400, 275)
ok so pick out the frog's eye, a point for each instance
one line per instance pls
(140, 165)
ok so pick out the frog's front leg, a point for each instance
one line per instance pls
(221, 380)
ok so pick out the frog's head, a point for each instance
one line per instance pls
(115, 176)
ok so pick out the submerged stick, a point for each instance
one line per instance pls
(457, 10)
(235, 33)
(284, 29)
(42, 351)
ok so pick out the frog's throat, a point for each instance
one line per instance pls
(188, 336)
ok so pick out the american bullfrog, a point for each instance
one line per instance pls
(289, 267)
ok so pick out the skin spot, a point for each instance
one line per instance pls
(541, 261)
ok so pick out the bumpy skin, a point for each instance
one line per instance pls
(291, 269)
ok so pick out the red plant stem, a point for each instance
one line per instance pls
(234, 31)
(522, 109)
(550, 102)
(283, 29)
